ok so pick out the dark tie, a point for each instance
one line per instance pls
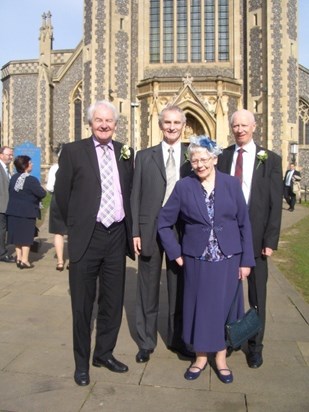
(107, 206)
(170, 170)
(239, 162)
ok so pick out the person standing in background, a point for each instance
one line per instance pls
(291, 179)
(156, 171)
(25, 195)
(92, 189)
(6, 157)
(260, 173)
(56, 223)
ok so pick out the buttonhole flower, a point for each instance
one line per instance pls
(125, 152)
(262, 155)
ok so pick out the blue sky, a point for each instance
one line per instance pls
(20, 21)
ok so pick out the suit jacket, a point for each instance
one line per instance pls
(265, 204)
(295, 177)
(148, 193)
(26, 202)
(4, 190)
(78, 193)
(231, 220)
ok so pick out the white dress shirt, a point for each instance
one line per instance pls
(248, 156)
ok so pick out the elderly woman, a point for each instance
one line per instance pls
(25, 193)
(216, 251)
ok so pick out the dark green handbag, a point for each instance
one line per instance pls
(239, 331)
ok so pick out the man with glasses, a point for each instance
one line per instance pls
(6, 156)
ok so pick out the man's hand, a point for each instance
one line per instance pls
(179, 260)
(137, 243)
(267, 251)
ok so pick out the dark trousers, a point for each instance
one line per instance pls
(289, 196)
(3, 249)
(104, 260)
(257, 291)
(147, 300)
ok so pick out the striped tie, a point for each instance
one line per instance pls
(170, 170)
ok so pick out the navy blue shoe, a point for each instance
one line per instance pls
(190, 376)
(225, 378)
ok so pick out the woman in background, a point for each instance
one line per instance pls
(56, 223)
(25, 194)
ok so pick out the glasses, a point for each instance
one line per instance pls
(203, 162)
(8, 154)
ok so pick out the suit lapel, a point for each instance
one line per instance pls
(117, 152)
(92, 155)
(157, 155)
(200, 199)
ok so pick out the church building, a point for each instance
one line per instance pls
(210, 57)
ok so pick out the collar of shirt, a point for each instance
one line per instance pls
(177, 154)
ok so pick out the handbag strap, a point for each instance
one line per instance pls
(233, 302)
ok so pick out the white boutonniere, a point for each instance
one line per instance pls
(262, 155)
(125, 153)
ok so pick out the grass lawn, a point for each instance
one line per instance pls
(292, 256)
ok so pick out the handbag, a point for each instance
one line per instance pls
(239, 331)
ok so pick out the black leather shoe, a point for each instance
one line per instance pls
(143, 355)
(7, 259)
(112, 364)
(81, 378)
(23, 265)
(254, 360)
(183, 351)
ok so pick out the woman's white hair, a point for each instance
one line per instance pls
(203, 142)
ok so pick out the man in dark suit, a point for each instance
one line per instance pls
(152, 186)
(261, 178)
(291, 177)
(6, 156)
(93, 187)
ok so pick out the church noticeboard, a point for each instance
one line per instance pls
(29, 149)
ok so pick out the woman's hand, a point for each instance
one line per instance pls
(179, 260)
(244, 272)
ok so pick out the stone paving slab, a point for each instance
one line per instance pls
(36, 359)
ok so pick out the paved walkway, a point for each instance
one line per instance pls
(36, 363)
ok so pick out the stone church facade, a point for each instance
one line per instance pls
(210, 57)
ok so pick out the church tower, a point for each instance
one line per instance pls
(108, 58)
(44, 87)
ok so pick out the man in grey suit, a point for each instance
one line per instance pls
(156, 171)
(6, 156)
(260, 173)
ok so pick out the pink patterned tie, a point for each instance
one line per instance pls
(107, 207)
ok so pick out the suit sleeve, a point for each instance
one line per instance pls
(168, 217)
(272, 231)
(64, 177)
(135, 195)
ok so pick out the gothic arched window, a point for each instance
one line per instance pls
(189, 31)
(303, 125)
